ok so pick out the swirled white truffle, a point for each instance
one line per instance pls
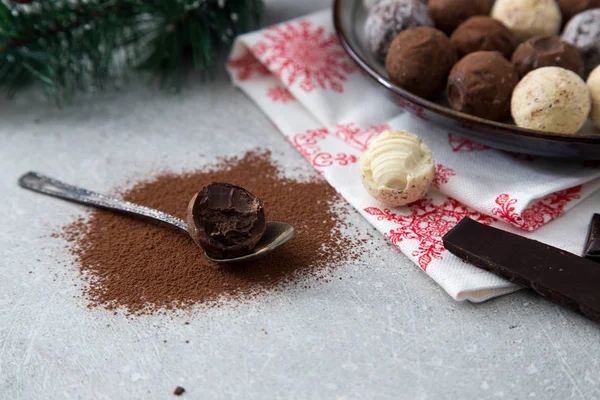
(397, 168)
(551, 99)
(593, 84)
(528, 18)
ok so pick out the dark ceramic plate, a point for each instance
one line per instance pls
(349, 16)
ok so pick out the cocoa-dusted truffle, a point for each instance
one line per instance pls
(227, 221)
(583, 32)
(388, 18)
(481, 84)
(483, 33)
(419, 60)
(546, 51)
(569, 8)
(448, 14)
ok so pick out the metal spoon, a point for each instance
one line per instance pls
(276, 235)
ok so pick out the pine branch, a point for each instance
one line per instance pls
(72, 45)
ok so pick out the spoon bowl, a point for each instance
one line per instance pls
(276, 235)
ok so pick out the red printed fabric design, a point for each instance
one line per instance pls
(539, 213)
(308, 144)
(442, 175)
(247, 66)
(411, 107)
(459, 143)
(279, 94)
(357, 137)
(427, 223)
(301, 53)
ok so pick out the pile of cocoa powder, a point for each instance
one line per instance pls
(142, 267)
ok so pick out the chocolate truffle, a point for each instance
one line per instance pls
(448, 14)
(481, 84)
(571, 7)
(226, 220)
(419, 60)
(483, 33)
(528, 18)
(546, 51)
(593, 84)
(388, 19)
(583, 32)
(551, 99)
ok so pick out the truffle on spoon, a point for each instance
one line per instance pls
(226, 220)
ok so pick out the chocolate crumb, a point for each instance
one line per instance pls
(178, 391)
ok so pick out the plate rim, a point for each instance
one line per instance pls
(445, 111)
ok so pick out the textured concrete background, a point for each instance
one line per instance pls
(387, 332)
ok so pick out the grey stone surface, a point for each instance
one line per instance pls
(384, 331)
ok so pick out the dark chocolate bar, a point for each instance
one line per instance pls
(592, 245)
(562, 277)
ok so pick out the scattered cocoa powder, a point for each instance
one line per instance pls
(142, 267)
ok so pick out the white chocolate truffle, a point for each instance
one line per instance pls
(593, 84)
(397, 168)
(528, 18)
(551, 99)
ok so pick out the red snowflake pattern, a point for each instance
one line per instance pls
(427, 223)
(359, 137)
(300, 52)
(308, 145)
(246, 66)
(537, 214)
(280, 94)
(442, 175)
(459, 143)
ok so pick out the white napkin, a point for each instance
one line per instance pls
(303, 80)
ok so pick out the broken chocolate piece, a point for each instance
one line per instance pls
(592, 245)
(226, 220)
(562, 277)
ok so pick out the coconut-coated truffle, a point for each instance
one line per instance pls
(583, 32)
(483, 33)
(388, 18)
(551, 99)
(528, 18)
(481, 84)
(546, 51)
(448, 14)
(420, 59)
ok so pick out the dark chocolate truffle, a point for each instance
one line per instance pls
(483, 33)
(481, 84)
(568, 8)
(448, 14)
(419, 60)
(583, 32)
(546, 51)
(226, 220)
(388, 18)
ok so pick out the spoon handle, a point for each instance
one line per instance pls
(52, 187)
